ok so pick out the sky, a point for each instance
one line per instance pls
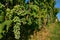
(57, 5)
(26, 1)
(58, 16)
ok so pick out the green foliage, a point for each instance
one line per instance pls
(15, 15)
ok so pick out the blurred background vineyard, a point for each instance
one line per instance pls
(29, 20)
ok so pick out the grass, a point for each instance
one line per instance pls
(55, 33)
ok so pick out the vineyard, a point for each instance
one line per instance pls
(26, 20)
